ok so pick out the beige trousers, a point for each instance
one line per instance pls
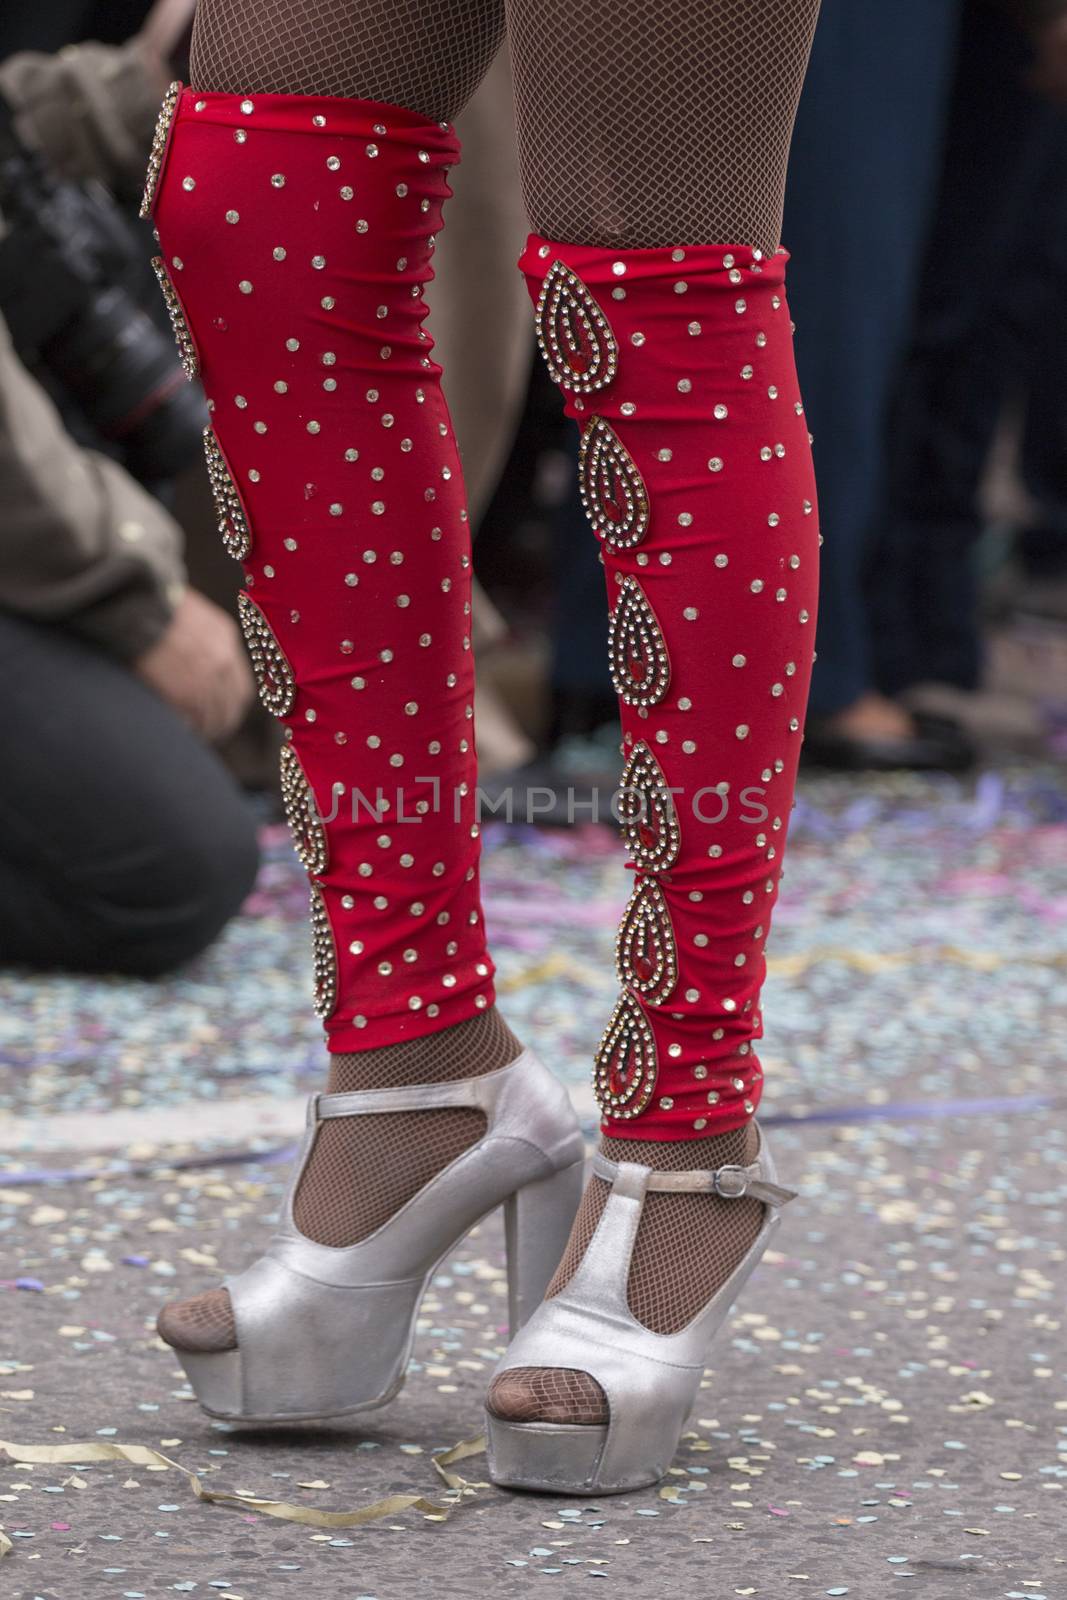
(480, 320)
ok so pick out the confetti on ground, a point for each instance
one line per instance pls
(888, 1401)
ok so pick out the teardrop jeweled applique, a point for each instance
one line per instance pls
(624, 1071)
(274, 675)
(637, 653)
(233, 522)
(612, 489)
(157, 154)
(575, 336)
(302, 815)
(646, 956)
(182, 335)
(650, 827)
(324, 956)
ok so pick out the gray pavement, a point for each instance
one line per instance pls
(887, 1410)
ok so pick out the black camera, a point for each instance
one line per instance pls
(72, 272)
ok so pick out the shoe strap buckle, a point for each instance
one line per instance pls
(731, 1182)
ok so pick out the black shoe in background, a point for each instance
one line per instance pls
(938, 744)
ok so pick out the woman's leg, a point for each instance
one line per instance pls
(654, 136)
(297, 237)
(428, 56)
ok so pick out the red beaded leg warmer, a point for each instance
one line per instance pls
(696, 474)
(295, 243)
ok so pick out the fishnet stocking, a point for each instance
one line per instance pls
(204, 1323)
(394, 1154)
(687, 1246)
(650, 122)
(362, 1170)
(427, 55)
(641, 122)
(701, 1234)
(548, 1394)
(466, 1051)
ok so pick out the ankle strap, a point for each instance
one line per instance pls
(728, 1182)
(477, 1093)
(405, 1097)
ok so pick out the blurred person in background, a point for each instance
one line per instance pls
(125, 845)
(477, 302)
(984, 350)
(860, 202)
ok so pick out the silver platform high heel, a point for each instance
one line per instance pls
(325, 1332)
(649, 1379)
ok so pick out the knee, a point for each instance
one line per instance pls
(196, 877)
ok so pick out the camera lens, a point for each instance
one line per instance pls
(121, 369)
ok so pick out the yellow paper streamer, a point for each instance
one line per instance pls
(552, 966)
(139, 1455)
(872, 961)
(795, 966)
(460, 1452)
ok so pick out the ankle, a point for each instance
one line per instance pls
(737, 1147)
(482, 1044)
